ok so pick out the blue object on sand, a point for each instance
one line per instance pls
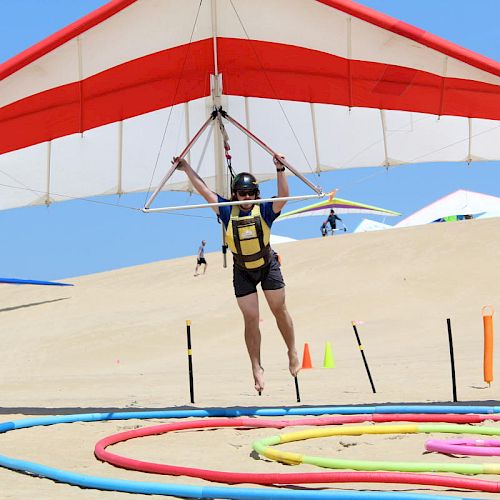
(15, 281)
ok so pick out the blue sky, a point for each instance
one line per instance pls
(80, 237)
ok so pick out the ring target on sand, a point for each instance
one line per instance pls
(357, 414)
(478, 447)
(264, 447)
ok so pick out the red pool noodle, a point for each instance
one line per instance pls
(290, 478)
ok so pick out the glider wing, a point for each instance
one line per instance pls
(102, 106)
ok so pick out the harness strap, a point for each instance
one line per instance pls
(227, 147)
(265, 254)
(255, 221)
(260, 232)
(237, 243)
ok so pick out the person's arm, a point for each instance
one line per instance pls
(198, 183)
(282, 181)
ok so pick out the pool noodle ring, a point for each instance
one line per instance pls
(264, 447)
(478, 447)
(280, 478)
(188, 491)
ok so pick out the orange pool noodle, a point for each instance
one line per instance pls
(488, 344)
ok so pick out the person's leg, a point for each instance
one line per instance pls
(276, 301)
(205, 268)
(249, 306)
(196, 269)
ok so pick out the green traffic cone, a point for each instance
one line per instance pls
(328, 361)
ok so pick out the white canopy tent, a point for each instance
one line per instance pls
(460, 202)
(277, 239)
(371, 225)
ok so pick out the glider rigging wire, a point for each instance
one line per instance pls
(100, 202)
(299, 144)
(173, 100)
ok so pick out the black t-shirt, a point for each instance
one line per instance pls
(332, 218)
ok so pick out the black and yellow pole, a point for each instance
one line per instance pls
(297, 392)
(190, 360)
(452, 361)
(361, 350)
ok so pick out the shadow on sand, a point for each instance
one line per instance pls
(40, 411)
(32, 304)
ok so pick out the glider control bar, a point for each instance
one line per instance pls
(230, 203)
(216, 114)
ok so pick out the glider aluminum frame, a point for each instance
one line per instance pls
(217, 114)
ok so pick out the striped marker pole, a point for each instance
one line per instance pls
(363, 356)
(297, 392)
(452, 359)
(190, 360)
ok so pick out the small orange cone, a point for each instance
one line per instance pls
(306, 359)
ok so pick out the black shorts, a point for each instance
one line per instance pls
(202, 261)
(245, 281)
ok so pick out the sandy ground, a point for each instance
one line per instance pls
(117, 341)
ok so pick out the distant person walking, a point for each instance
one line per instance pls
(332, 220)
(201, 259)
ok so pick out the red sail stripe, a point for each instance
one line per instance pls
(250, 68)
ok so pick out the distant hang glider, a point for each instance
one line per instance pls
(459, 203)
(15, 281)
(340, 206)
(103, 105)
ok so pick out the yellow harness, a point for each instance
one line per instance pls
(248, 238)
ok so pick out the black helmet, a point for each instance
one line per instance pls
(244, 180)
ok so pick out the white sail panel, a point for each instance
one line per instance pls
(349, 137)
(83, 165)
(24, 177)
(485, 139)
(421, 138)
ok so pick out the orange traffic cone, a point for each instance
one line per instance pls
(306, 359)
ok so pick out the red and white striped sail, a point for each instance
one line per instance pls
(102, 106)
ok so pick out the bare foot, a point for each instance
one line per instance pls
(258, 377)
(293, 362)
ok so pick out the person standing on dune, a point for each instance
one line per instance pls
(254, 261)
(200, 259)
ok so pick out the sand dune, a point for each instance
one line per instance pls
(118, 340)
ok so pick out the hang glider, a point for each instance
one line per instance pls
(458, 203)
(339, 205)
(103, 105)
(16, 281)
